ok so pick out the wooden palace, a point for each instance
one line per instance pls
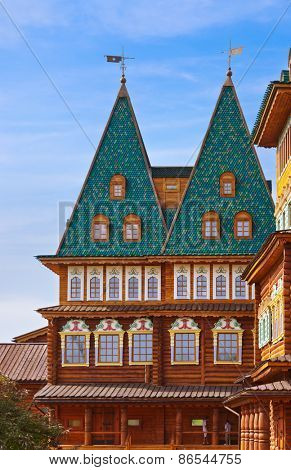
(172, 327)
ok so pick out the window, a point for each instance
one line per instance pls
(100, 228)
(140, 339)
(227, 347)
(132, 228)
(264, 331)
(117, 187)
(184, 347)
(182, 287)
(108, 343)
(75, 423)
(142, 349)
(75, 343)
(108, 348)
(227, 339)
(75, 351)
(95, 288)
(75, 288)
(201, 286)
(114, 288)
(133, 288)
(227, 185)
(240, 288)
(211, 226)
(243, 226)
(152, 288)
(220, 286)
(184, 336)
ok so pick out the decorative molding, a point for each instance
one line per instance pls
(228, 326)
(189, 326)
(141, 325)
(109, 326)
(75, 327)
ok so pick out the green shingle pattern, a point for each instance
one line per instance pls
(120, 152)
(227, 148)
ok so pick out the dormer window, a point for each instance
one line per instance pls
(211, 226)
(243, 226)
(132, 228)
(227, 184)
(117, 187)
(100, 228)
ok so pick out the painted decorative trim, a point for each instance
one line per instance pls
(109, 326)
(75, 327)
(75, 272)
(155, 272)
(184, 325)
(94, 271)
(114, 271)
(264, 330)
(237, 271)
(139, 326)
(201, 270)
(182, 270)
(220, 270)
(227, 325)
(132, 272)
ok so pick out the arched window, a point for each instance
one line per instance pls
(100, 228)
(240, 287)
(117, 187)
(132, 228)
(221, 286)
(114, 288)
(211, 226)
(95, 288)
(75, 288)
(201, 286)
(227, 184)
(153, 287)
(243, 226)
(133, 288)
(181, 286)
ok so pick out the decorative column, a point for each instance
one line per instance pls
(242, 428)
(178, 426)
(215, 421)
(88, 426)
(251, 428)
(123, 425)
(247, 428)
(256, 427)
(264, 427)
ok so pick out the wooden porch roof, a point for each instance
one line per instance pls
(24, 362)
(133, 392)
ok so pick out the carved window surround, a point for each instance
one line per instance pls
(111, 327)
(184, 325)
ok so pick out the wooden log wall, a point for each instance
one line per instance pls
(287, 298)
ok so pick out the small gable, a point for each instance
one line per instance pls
(226, 151)
(119, 183)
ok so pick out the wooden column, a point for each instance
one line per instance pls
(251, 428)
(52, 353)
(264, 428)
(123, 425)
(242, 428)
(178, 426)
(88, 426)
(215, 421)
(256, 427)
(247, 431)
(157, 351)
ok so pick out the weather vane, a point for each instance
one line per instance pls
(232, 51)
(119, 59)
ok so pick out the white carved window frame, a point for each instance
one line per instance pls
(132, 271)
(104, 328)
(181, 269)
(134, 329)
(152, 271)
(75, 327)
(220, 270)
(204, 270)
(180, 326)
(264, 330)
(277, 307)
(75, 271)
(226, 326)
(94, 271)
(237, 270)
(114, 271)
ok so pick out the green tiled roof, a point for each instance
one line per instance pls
(226, 147)
(171, 171)
(121, 150)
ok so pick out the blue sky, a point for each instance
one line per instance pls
(174, 82)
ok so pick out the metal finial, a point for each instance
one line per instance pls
(121, 60)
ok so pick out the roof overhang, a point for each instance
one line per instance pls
(274, 116)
